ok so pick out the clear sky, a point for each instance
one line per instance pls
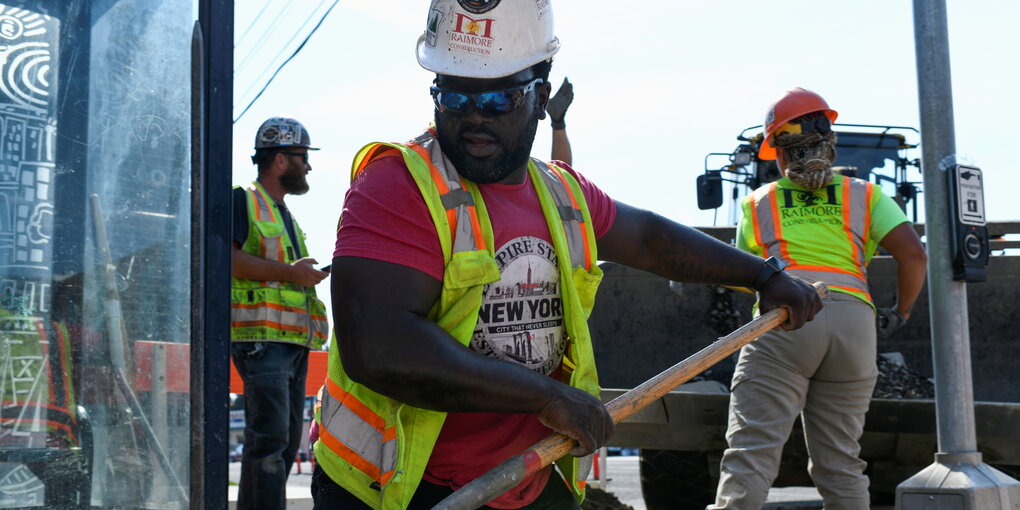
(658, 84)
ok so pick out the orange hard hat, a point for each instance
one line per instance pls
(793, 103)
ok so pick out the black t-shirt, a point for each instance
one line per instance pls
(240, 223)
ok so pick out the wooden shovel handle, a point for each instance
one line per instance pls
(508, 474)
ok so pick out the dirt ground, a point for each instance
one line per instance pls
(597, 499)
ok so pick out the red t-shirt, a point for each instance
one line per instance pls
(521, 318)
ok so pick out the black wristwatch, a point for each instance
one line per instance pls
(769, 269)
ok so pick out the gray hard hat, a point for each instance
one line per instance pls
(282, 132)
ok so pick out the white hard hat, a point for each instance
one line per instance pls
(486, 38)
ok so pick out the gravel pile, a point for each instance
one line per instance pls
(598, 499)
(895, 380)
(722, 317)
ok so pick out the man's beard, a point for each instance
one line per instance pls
(294, 181)
(809, 160)
(514, 153)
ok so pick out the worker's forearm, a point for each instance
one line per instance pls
(649, 242)
(561, 147)
(250, 267)
(909, 281)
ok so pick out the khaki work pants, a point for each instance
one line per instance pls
(825, 372)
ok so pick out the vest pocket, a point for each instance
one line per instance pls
(587, 284)
(268, 229)
(470, 268)
(269, 313)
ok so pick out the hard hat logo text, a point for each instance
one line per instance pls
(473, 35)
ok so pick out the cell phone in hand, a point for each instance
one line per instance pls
(326, 267)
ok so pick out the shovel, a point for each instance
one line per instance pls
(505, 476)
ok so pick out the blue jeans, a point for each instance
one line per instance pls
(274, 398)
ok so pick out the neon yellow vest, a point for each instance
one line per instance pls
(274, 311)
(39, 408)
(376, 447)
(821, 236)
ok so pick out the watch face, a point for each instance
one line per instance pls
(771, 266)
(776, 263)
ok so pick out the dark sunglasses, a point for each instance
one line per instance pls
(492, 102)
(303, 155)
(815, 122)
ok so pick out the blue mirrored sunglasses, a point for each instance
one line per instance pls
(492, 102)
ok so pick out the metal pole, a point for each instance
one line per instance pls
(158, 400)
(958, 478)
(954, 393)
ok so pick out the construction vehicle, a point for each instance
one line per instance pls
(682, 436)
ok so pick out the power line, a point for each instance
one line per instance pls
(291, 57)
(283, 48)
(253, 23)
(266, 35)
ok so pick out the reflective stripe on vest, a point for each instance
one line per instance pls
(465, 228)
(368, 445)
(768, 233)
(376, 447)
(570, 214)
(275, 310)
(269, 247)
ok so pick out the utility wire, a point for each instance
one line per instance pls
(265, 37)
(283, 48)
(253, 23)
(291, 57)
(256, 46)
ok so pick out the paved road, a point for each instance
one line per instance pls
(624, 483)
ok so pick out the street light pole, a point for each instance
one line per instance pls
(958, 478)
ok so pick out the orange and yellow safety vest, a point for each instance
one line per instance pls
(376, 447)
(274, 311)
(828, 235)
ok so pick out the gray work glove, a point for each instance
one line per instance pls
(558, 104)
(888, 320)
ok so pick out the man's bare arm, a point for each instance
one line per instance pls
(250, 267)
(561, 147)
(647, 241)
(904, 245)
(388, 344)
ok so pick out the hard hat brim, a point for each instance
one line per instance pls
(287, 147)
(467, 69)
(767, 152)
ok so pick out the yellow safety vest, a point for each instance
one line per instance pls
(274, 311)
(828, 231)
(38, 409)
(376, 447)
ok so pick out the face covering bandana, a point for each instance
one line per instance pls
(809, 157)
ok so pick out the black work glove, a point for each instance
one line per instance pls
(798, 296)
(888, 320)
(558, 104)
(577, 415)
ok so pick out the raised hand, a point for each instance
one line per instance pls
(558, 104)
